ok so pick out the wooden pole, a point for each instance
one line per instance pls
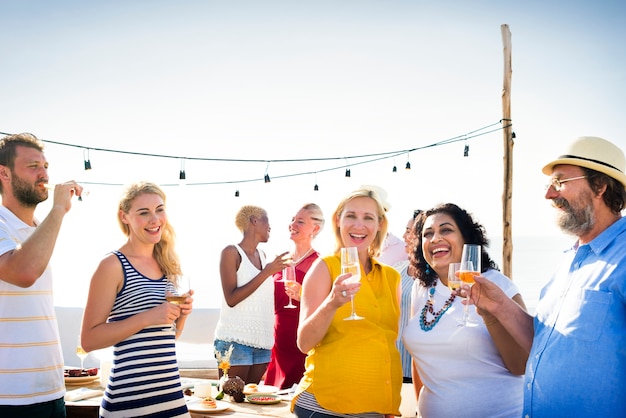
(507, 195)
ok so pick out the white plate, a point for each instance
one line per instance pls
(261, 389)
(196, 406)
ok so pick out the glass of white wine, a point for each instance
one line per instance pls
(454, 281)
(289, 278)
(176, 292)
(81, 353)
(350, 264)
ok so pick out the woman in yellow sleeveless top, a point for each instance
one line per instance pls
(352, 366)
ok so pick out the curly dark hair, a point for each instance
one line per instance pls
(473, 233)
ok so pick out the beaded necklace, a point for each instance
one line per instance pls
(428, 325)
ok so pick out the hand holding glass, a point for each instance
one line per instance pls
(350, 264)
(289, 278)
(176, 293)
(470, 267)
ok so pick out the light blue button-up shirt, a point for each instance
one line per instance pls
(577, 364)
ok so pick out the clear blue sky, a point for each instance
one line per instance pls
(307, 79)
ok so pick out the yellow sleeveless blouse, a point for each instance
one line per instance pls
(356, 368)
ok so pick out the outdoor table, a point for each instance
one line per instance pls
(88, 408)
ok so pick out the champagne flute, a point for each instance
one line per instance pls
(289, 278)
(81, 353)
(470, 267)
(80, 198)
(350, 264)
(454, 281)
(177, 292)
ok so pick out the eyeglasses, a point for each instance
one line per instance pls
(557, 184)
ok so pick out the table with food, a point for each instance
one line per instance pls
(204, 399)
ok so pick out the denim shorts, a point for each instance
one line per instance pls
(243, 355)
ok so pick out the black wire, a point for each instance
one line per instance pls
(378, 157)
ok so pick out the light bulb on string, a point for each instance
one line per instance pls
(347, 168)
(316, 187)
(86, 158)
(237, 193)
(181, 174)
(466, 150)
(267, 176)
(408, 163)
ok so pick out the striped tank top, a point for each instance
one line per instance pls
(144, 380)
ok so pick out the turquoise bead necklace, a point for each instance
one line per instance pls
(428, 308)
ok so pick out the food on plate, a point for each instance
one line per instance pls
(80, 372)
(251, 387)
(209, 402)
(263, 399)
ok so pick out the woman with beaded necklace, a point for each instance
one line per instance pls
(458, 371)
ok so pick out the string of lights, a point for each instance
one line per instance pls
(349, 161)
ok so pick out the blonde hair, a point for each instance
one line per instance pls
(242, 219)
(164, 252)
(317, 216)
(376, 245)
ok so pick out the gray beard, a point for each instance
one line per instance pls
(575, 222)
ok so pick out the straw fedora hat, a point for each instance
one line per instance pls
(595, 153)
(382, 195)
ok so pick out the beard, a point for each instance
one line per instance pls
(577, 218)
(27, 194)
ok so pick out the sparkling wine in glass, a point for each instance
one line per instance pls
(350, 264)
(177, 292)
(454, 281)
(289, 278)
(81, 353)
(470, 267)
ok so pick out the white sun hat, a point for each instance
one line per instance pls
(595, 153)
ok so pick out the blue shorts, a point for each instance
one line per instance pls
(243, 355)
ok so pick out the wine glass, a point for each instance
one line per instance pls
(289, 278)
(177, 292)
(81, 353)
(454, 281)
(470, 267)
(350, 264)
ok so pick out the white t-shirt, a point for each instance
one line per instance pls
(30, 347)
(460, 367)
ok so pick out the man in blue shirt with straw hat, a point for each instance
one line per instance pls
(577, 340)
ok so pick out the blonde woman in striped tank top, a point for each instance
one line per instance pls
(126, 308)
